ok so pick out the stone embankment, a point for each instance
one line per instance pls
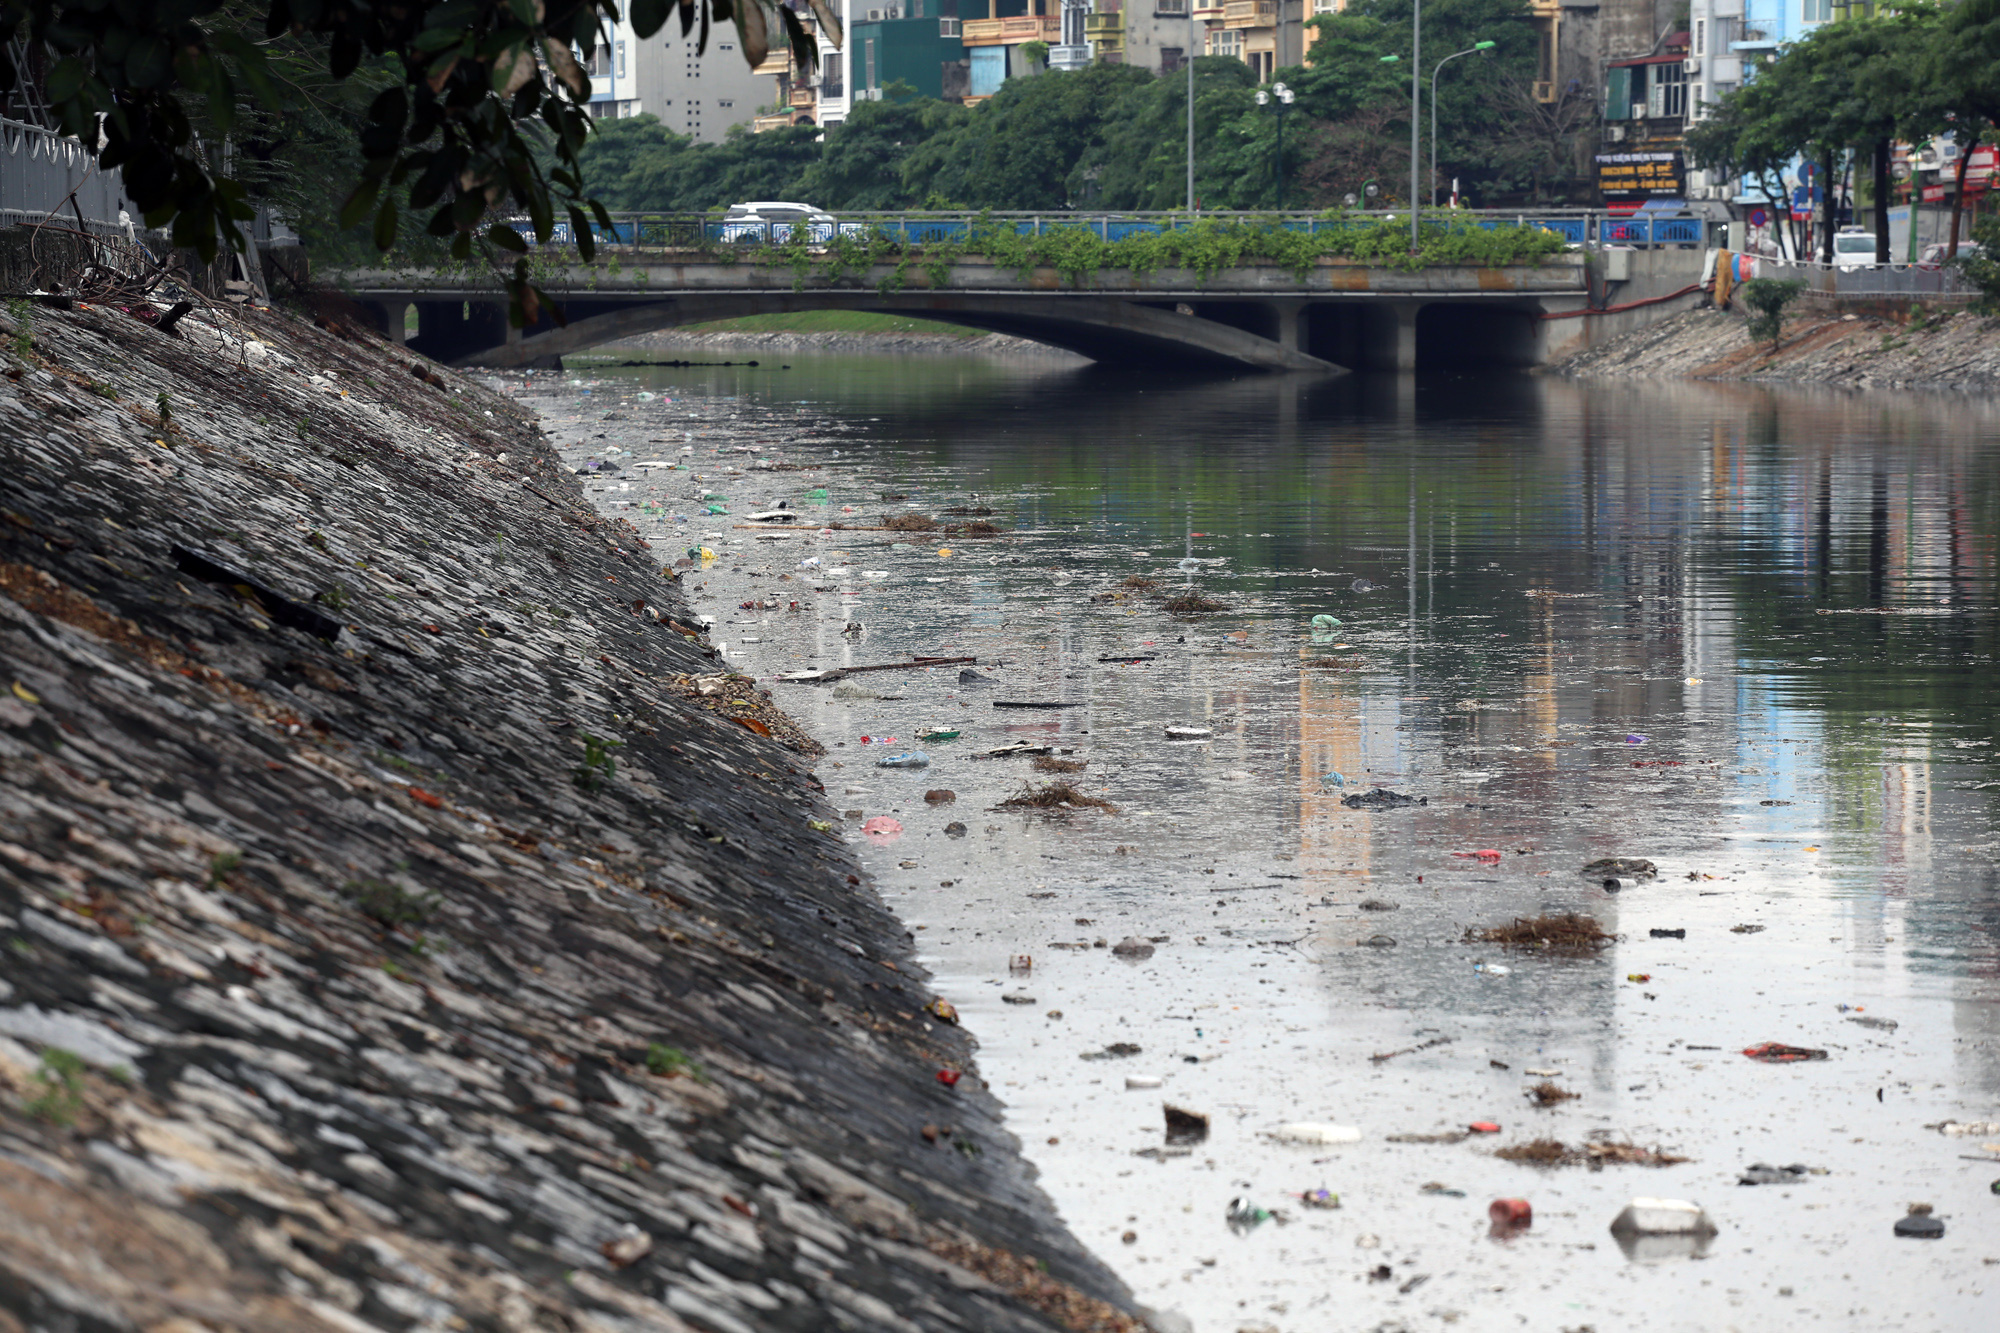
(404, 923)
(1951, 350)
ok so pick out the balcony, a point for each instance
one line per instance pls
(1014, 31)
(1250, 14)
(778, 62)
(1208, 13)
(803, 98)
(1103, 27)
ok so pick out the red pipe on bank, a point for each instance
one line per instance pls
(1629, 305)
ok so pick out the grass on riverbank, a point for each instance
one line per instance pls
(859, 323)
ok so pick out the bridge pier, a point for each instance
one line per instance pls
(1400, 346)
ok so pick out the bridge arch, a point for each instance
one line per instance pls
(1101, 327)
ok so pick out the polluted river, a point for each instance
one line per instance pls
(1472, 805)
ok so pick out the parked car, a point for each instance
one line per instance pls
(1934, 255)
(762, 221)
(1854, 247)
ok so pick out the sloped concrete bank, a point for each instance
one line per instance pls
(1949, 350)
(400, 928)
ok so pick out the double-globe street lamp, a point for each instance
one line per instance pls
(1279, 99)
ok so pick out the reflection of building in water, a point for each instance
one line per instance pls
(1334, 726)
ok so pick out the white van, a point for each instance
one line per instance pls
(1854, 247)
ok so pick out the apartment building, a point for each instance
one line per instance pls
(697, 95)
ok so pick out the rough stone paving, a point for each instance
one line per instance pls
(364, 983)
(1949, 350)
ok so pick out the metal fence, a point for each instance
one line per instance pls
(693, 231)
(50, 176)
(1945, 280)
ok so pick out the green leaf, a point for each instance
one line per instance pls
(385, 226)
(360, 202)
(506, 238)
(648, 16)
(65, 79)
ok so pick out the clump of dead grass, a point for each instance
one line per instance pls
(979, 530)
(1547, 1093)
(1050, 764)
(1192, 603)
(1563, 933)
(909, 523)
(1055, 796)
(1139, 581)
(1596, 1154)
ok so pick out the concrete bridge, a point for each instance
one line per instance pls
(1338, 315)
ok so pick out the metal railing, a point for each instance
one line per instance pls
(43, 173)
(696, 231)
(1871, 280)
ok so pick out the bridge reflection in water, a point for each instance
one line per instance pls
(652, 273)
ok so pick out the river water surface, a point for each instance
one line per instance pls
(1746, 634)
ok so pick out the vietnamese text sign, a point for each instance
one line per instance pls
(1641, 175)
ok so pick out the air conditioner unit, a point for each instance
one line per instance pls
(1948, 150)
(874, 16)
(948, 28)
(1615, 133)
(1692, 65)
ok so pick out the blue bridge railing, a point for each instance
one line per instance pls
(692, 231)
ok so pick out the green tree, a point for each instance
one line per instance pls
(698, 176)
(861, 165)
(615, 150)
(1961, 88)
(1140, 162)
(448, 136)
(1018, 150)
(1479, 107)
(1846, 85)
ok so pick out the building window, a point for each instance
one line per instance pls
(868, 62)
(1226, 42)
(1170, 59)
(1816, 11)
(599, 64)
(1322, 7)
(724, 101)
(1701, 35)
(621, 60)
(832, 75)
(1170, 6)
(1666, 99)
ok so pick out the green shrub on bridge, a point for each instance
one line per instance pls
(1203, 247)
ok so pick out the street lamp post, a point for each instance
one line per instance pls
(1279, 99)
(1416, 108)
(1476, 46)
(1190, 109)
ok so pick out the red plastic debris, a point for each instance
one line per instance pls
(1512, 1214)
(1483, 854)
(1777, 1053)
(948, 1077)
(422, 797)
(1483, 1127)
